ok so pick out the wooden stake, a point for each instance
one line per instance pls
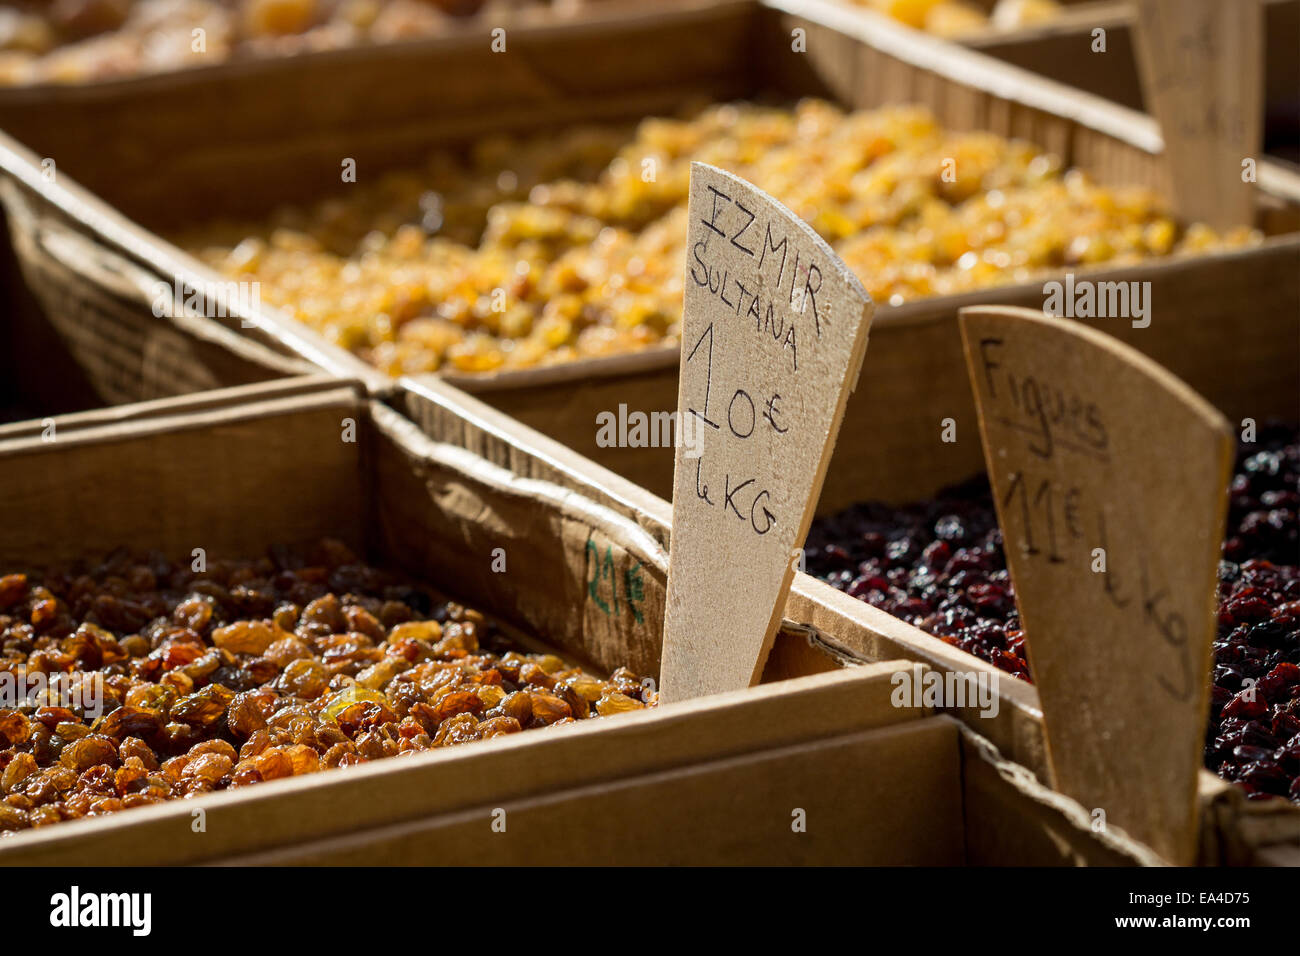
(1201, 63)
(773, 336)
(1110, 478)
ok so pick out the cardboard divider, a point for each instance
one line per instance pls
(850, 814)
(867, 67)
(239, 137)
(1066, 49)
(229, 479)
(1062, 51)
(856, 814)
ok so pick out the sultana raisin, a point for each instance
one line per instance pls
(295, 667)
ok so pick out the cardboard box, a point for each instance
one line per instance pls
(900, 457)
(1061, 50)
(922, 792)
(76, 335)
(563, 74)
(719, 779)
(242, 140)
(826, 628)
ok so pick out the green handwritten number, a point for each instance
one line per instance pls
(603, 570)
(634, 589)
(593, 586)
(608, 572)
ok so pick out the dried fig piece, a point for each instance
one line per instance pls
(13, 819)
(286, 650)
(51, 717)
(271, 764)
(307, 679)
(133, 748)
(457, 702)
(13, 589)
(299, 663)
(322, 617)
(518, 705)
(249, 711)
(579, 708)
(430, 631)
(363, 622)
(377, 676)
(131, 776)
(303, 759)
(130, 722)
(194, 613)
(210, 767)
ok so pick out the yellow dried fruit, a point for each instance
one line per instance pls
(617, 704)
(245, 637)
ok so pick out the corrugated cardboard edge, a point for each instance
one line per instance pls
(90, 296)
(182, 405)
(160, 261)
(1025, 784)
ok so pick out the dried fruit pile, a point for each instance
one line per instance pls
(78, 41)
(544, 250)
(953, 18)
(939, 565)
(253, 671)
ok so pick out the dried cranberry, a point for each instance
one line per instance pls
(939, 565)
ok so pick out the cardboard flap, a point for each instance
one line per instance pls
(1110, 479)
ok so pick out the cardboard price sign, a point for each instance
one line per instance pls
(1201, 63)
(773, 336)
(1110, 478)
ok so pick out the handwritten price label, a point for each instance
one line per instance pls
(773, 336)
(1110, 479)
(1202, 71)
